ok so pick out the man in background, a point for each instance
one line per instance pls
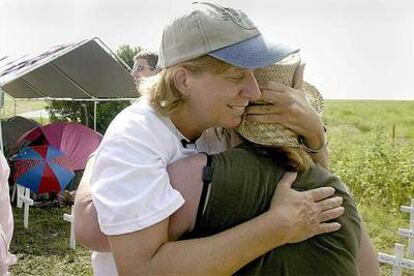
(145, 63)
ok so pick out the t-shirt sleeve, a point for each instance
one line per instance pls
(130, 186)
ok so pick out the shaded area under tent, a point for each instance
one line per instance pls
(82, 71)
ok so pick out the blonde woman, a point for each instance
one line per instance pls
(207, 59)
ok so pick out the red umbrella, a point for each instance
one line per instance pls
(76, 141)
(42, 169)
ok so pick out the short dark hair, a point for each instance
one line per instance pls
(150, 57)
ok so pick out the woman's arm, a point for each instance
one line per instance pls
(296, 217)
(87, 232)
(367, 257)
(300, 216)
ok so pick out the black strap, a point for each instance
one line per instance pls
(207, 177)
(188, 145)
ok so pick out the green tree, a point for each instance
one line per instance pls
(126, 53)
(82, 112)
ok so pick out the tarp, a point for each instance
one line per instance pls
(87, 70)
(13, 129)
(83, 70)
(76, 141)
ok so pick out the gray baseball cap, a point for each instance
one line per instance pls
(224, 33)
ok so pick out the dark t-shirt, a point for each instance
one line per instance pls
(242, 186)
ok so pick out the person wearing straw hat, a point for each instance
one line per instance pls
(237, 185)
(207, 58)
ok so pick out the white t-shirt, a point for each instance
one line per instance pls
(130, 186)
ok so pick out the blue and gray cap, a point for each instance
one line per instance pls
(224, 33)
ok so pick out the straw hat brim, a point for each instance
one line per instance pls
(277, 134)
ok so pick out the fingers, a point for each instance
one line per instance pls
(283, 97)
(331, 214)
(263, 109)
(321, 193)
(277, 93)
(287, 180)
(330, 203)
(271, 96)
(328, 227)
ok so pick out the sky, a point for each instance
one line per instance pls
(353, 49)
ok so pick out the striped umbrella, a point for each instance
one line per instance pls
(42, 169)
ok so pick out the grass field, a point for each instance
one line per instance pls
(376, 162)
(365, 115)
(378, 168)
(43, 249)
(12, 107)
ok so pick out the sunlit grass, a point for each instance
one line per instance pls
(43, 249)
(365, 115)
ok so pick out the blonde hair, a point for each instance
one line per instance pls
(161, 90)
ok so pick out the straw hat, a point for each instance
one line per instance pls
(276, 134)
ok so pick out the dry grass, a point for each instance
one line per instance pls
(43, 249)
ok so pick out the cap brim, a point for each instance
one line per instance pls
(253, 53)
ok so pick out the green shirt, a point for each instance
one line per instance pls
(242, 187)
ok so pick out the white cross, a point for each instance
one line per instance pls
(27, 201)
(67, 217)
(398, 261)
(409, 233)
(19, 189)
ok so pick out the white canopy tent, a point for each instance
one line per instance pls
(83, 71)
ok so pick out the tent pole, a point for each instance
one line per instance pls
(95, 103)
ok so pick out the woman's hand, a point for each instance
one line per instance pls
(305, 214)
(290, 108)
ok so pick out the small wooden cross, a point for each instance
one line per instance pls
(27, 202)
(409, 233)
(398, 261)
(69, 218)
